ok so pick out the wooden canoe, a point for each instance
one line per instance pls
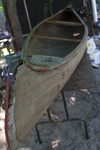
(51, 53)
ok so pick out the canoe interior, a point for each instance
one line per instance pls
(56, 48)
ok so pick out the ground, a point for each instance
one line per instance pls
(65, 136)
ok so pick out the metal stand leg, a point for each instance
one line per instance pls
(74, 119)
(65, 105)
(63, 120)
(49, 116)
(38, 134)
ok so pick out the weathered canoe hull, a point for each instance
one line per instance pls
(33, 94)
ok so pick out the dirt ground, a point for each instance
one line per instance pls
(69, 135)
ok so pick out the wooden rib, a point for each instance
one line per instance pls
(65, 23)
(56, 38)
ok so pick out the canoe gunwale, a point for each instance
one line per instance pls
(65, 59)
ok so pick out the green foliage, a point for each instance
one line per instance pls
(97, 1)
(1, 7)
(5, 52)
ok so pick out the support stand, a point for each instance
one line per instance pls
(63, 120)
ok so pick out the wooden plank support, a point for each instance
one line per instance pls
(56, 38)
(65, 23)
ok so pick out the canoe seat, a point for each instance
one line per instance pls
(41, 60)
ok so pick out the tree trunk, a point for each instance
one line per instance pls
(12, 18)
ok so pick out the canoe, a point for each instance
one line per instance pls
(51, 53)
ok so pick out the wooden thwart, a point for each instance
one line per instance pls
(56, 38)
(65, 23)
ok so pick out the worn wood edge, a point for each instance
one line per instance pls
(12, 129)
